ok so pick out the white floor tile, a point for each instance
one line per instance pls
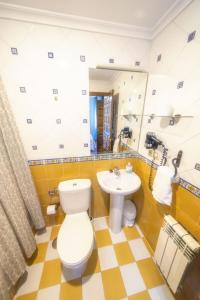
(161, 292)
(32, 281)
(139, 230)
(92, 287)
(132, 278)
(117, 237)
(139, 249)
(43, 237)
(107, 258)
(51, 253)
(100, 223)
(51, 293)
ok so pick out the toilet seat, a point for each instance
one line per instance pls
(75, 239)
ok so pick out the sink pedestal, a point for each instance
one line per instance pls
(116, 212)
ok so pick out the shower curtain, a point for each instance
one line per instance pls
(19, 205)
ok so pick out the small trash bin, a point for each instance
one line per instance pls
(129, 213)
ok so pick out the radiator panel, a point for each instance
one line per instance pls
(168, 257)
(177, 270)
(161, 244)
(174, 251)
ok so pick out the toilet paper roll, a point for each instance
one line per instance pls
(51, 209)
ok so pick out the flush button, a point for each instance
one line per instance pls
(74, 184)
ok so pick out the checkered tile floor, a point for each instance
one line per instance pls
(120, 267)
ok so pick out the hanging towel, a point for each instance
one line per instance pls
(162, 185)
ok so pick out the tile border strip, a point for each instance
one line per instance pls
(108, 156)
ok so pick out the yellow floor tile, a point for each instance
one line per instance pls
(103, 238)
(148, 247)
(93, 264)
(31, 296)
(150, 273)
(131, 233)
(54, 232)
(71, 290)
(140, 296)
(39, 255)
(113, 284)
(123, 253)
(51, 274)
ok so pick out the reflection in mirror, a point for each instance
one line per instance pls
(116, 109)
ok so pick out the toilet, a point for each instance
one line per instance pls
(75, 238)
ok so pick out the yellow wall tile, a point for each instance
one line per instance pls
(54, 171)
(185, 207)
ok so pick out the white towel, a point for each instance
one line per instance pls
(162, 185)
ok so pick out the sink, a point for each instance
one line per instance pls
(118, 187)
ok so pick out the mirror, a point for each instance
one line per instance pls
(116, 109)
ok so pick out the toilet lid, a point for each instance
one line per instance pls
(75, 238)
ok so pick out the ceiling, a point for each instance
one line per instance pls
(133, 18)
(143, 13)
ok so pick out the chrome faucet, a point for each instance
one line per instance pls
(116, 171)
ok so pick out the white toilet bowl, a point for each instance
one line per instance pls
(75, 238)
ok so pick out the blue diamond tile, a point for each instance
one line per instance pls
(85, 121)
(85, 145)
(111, 60)
(34, 147)
(14, 51)
(191, 36)
(84, 92)
(154, 92)
(180, 84)
(159, 57)
(50, 55)
(29, 121)
(55, 91)
(82, 58)
(137, 63)
(61, 146)
(22, 89)
(58, 121)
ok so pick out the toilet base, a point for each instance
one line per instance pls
(73, 273)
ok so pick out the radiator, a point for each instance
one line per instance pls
(175, 250)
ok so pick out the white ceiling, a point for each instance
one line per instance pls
(133, 18)
(143, 13)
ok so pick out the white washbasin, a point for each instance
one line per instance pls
(118, 187)
(124, 184)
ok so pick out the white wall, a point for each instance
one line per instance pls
(32, 69)
(100, 86)
(131, 87)
(180, 61)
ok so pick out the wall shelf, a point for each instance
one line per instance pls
(172, 119)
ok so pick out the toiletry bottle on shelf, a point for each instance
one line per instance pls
(129, 168)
